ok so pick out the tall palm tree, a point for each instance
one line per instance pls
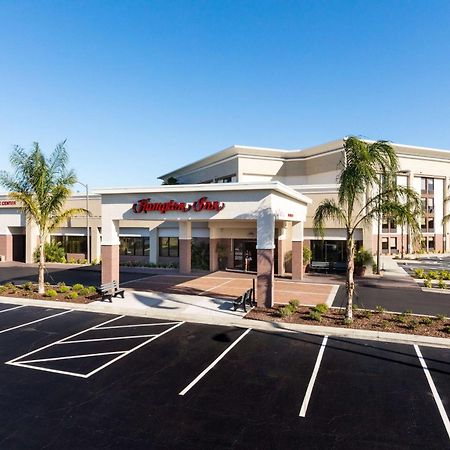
(367, 190)
(41, 186)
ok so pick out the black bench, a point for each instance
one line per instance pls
(319, 265)
(340, 266)
(110, 290)
(247, 298)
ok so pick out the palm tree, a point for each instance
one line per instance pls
(367, 190)
(41, 186)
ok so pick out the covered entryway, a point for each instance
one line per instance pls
(228, 213)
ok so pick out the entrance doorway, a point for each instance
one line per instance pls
(245, 249)
(19, 247)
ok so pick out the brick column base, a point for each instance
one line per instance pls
(185, 256)
(297, 260)
(6, 246)
(213, 256)
(265, 278)
(110, 263)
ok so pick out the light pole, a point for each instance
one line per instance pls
(87, 222)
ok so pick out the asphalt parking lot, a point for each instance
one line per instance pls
(73, 379)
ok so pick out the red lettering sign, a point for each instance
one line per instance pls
(203, 204)
(8, 203)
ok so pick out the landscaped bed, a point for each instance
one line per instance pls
(60, 292)
(378, 320)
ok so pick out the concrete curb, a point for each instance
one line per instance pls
(111, 308)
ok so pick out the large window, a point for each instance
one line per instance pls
(168, 246)
(72, 244)
(427, 185)
(135, 246)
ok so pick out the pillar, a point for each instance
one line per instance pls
(110, 250)
(96, 241)
(154, 245)
(409, 240)
(446, 228)
(185, 246)
(6, 247)
(213, 253)
(31, 241)
(297, 251)
(265, 235)
(282, 248)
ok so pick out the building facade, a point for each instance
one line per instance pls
(240, 208)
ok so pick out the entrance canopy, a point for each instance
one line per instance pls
(263, 204)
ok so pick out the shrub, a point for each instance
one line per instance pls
(77, 287)
(407, 312)
(50, 293)
(72, 295)
(28, 286)
(64, 289)
(445, 275)
(379, 309)
(413, 324)
(92, 289)
(355, 307)
(307, 255)
(285, 311)
(85, 291)
(441, 317)
(294, 304)
(427, 321)
(367, 313)
(401, 318)
(53, 251)
(322, 308)
(3, 289)
(442, 284)
(433, 274)
(446, 329)
(363, 257)
(315, 315)
(419, 273)
(427, 283)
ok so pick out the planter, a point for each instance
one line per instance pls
(360, 271)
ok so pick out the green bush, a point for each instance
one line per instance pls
(401, 318)
(315, 315)
(72, 295)
(3, 289)
(407, 312)
(363, 257)
(427, 283)
(86, 291)
(307, 255)
(419, 273)
(294, 304)
(367, 313)
(92, 289)
(285, 311)
(53, 251)
(413, 324)
(321, 308)
(28, 286)
(445, 275)
(446, 329)
(50, 293)
(441, 317)
(427, 321)
(442, 284)
(433, 275)
(379, 309)
(77, 287)
(64, 289)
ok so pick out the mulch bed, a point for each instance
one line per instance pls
(362, 320)
(20, 292)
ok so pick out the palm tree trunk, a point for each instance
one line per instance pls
(350, 280)
(41, 287)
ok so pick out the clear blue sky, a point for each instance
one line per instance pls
(139, 88)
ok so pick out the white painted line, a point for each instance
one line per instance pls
(10, 309)
(61, 340)
(202, 374)
(434, 391)
(332, 295)
(133, 349)
(36, 321)
(313, 378)
(81, 341)
(136, 325)
(58, 358)
(215, 287)
(44, 369)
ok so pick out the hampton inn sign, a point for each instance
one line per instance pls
(203, 204)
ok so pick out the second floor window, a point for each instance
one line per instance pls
(427, 186)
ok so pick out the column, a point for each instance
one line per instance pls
(6, 247)
(282, 247)
(154, 245)
(96, 242)
(31, 241)
(213, 252)
(446, 227)
(110, 250)
(185, 244)
(409, 245)
(265, 234)
(297, 251)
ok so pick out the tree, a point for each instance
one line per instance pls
(367, 190)
(41, 186)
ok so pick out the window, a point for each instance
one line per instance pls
(134, 246)
(388, 226)
(168, 246)
(384, 243)
(427, 186)
(430, 205)
(227, 179)
(431, 245)
(72, 244)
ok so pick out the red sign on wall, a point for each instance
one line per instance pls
(203, 204)
(8, 203)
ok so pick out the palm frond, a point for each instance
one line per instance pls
(328, 210)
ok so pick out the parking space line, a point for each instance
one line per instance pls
(80, 341)
(133, 349)
(13, 361)
(58, 358)
(434, 391)
(44, 369)
(136, 325)
(35, 321)
(10, 309)
(202, 374)
(313, 378)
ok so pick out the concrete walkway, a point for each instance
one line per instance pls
(391, 268)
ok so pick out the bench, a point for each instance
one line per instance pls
(110, 290)
(319, 265)
(247, 297)
(340, 266)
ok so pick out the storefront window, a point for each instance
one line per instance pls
(135, 246)
(168, 246)
(72, 244)
(332, 251)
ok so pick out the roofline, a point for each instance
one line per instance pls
(214, 187)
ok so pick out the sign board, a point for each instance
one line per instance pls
(145, 205)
